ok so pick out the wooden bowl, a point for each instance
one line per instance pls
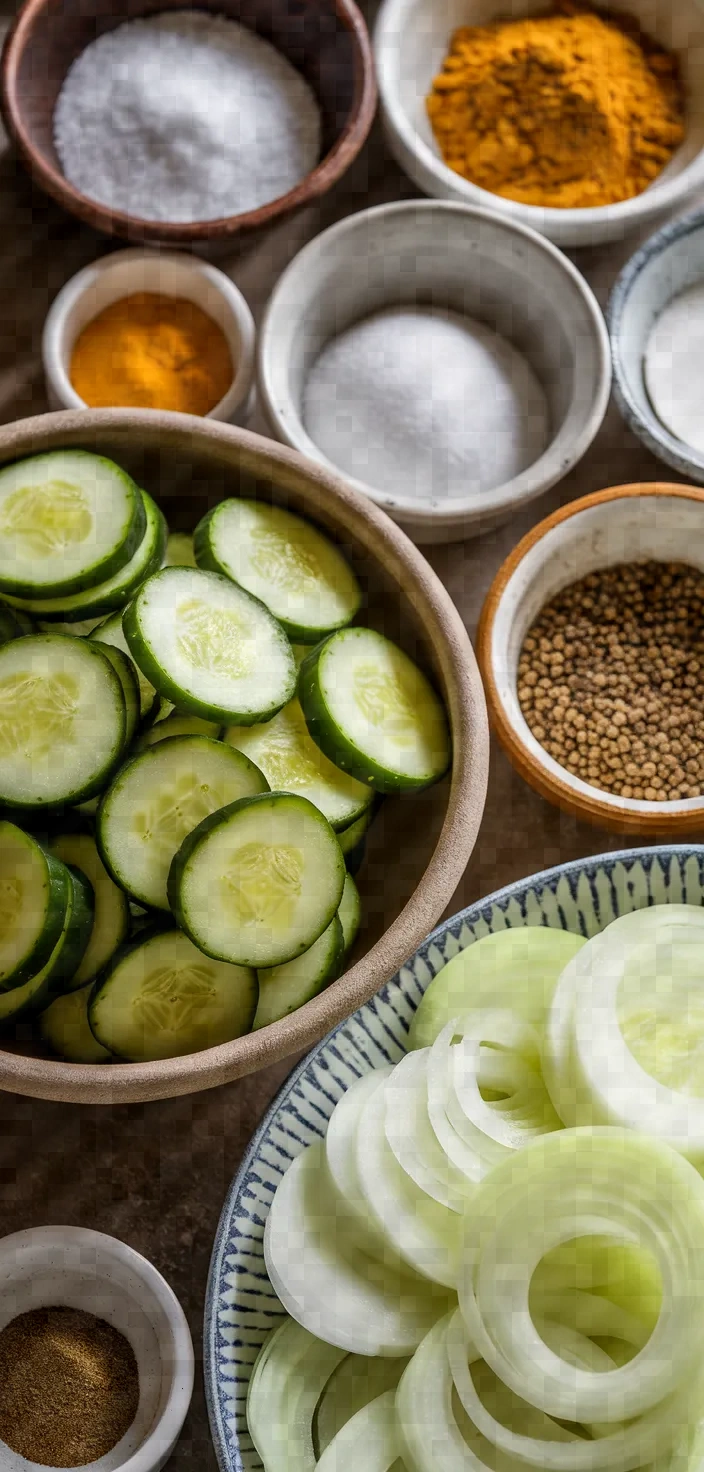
(326, 40)
(418, 847)
(630, 523)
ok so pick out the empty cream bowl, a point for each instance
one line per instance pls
(167, 273)
(411, 40)
(467, 260)
(72, 1267)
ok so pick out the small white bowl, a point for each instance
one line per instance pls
(71, 1267)
(470, 260)
(170, 273)
(410, 43)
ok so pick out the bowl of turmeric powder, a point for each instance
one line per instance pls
(582, 121)
(142, 329)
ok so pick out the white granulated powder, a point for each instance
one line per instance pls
(185, 116)
(425, 405)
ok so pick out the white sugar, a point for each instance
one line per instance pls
(425, 405)
(185, 116)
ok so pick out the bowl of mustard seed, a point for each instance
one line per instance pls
(591, 647)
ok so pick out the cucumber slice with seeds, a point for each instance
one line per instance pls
(126, 672)
(161, 998)
(117, 590)
(68, 520)
(34, 896)
(209, 647)
(258, 882)
(350, 913)
(291, 762)
(111, 920)
(39, 991)
(62, 721)
(283, 989)
(158, 798)
(286, 562)
(111, 632)
(373, 712)
(65, 1029)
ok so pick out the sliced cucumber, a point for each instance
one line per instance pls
(9, 627)
(65, 1028)
(161, 998)
(257, 883)
(179, 550)
(209, 647)
(40, 990)
(80, 628)
(351, 838)
(283, 989)
(24, 622)
(284, 561)
(77, 940)
(158, 798)
(115, 591)
(178, 725)
(111, 920)
(111, 632)
(68, 520)
(291, 762)
(373, 712)
(34, 896)
(126, 672)
(350, 913)
(62, 720)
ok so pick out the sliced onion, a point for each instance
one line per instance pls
(412, 1138)
(432, 1440)
(370, 1442)
(288, 1378)
(357, 1381)
(500, 1051)
(568, 1185)
(341, 1138)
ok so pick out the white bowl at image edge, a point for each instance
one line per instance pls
(72, 1267)
(169, 273)
(411, 40)
(474, 262)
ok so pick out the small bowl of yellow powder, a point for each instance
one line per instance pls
(151, 330)
(582, 120)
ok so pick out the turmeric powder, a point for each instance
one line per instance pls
(150, 351)
(570, 108)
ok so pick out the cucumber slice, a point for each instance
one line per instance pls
(157, 799)
(161, 998)
(68, 520)
(178, 725)
(115, 591)
(209, 647)
(24, 622)
(77, 939)
(40, 990)
(351, 838)
(373, 712)
(286, 562)
(291, 762)
(111, 921)
(34, 897)
(126, 672)
(179, 550)
(62, 721)
(65, 1029)
(111, 632)
(79, 628)
(350, 913)
(257, 883)
(283, 989)
(9, 626)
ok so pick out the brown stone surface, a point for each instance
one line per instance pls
(155, 1175)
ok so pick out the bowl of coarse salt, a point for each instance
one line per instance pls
(451, 364)
(187, 126)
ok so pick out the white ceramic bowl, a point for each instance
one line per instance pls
(471, 260)
(72, 1267)
(410, 42)
(170, 273)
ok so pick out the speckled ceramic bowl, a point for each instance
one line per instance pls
(670, 262)
(241, 1305)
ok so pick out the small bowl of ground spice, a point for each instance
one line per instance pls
(151, 330)
(581, 120)
(96, 1358)
(591, 646)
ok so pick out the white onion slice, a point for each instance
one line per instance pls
(431, 1438)
(500, 1051)
(370, 1442)
(412, 1138)
(288, 1378)
(341, 1138)
(357, 1381)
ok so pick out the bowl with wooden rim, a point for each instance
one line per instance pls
(656, 522)
(417, 847)
(326, 40)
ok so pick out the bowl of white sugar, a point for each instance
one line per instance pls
(451, 364)
(184, 126)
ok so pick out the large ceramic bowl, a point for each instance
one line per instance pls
(418, 849)
(241, 1306)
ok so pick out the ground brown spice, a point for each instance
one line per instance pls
(69, 1387)
(611, 680)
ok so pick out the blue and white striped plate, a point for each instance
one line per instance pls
(241, 1306)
